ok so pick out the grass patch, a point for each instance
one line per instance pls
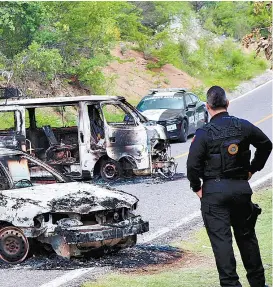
(199, 246)
(122, 61)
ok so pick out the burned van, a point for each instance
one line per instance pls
(90, 136)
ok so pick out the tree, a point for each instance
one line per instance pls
(18, 23)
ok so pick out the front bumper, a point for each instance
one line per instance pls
(173, 129)
(173, 134)
(93, 233)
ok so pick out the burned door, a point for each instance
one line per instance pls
(125, 136)
(90, 150)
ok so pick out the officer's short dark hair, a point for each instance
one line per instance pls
(216, 98)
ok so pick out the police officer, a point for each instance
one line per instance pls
(220, 156)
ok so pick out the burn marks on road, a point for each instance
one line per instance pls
(140, 256)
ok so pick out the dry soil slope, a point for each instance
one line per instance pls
(133, 80)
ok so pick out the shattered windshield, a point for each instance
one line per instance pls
(153, 103)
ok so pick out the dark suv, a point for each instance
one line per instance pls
(179, 110)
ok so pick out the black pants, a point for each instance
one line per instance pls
(226, 203)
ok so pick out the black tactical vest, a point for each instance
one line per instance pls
(227, 156)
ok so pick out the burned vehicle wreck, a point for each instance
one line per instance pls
(40, 205)
(88, 136)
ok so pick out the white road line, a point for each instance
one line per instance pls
(186, 220)
(67, 277)
(250, 91)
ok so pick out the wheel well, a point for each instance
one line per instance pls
(5, 223)
(125, 161)
(187, 121)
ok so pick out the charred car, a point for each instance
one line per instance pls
(89, 136)
(177, 109)
(40, 205)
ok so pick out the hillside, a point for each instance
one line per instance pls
(63, 48)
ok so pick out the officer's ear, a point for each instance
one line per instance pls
(227, 104)
(207, 106)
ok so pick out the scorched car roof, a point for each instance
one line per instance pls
(60, 100)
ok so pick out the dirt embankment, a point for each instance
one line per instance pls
(132, 78)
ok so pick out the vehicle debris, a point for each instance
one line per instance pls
(73, 218)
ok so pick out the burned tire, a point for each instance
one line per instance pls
(183, 135)
(110, 169)
(14, 246)
(128, 241)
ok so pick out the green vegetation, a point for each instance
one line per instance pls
(218, 17)
(70, 42)
(224, 65)
(199, 246)
(7, 120)
(55, 117)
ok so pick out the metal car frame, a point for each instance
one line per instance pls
(133, 146)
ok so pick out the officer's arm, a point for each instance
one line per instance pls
(263, 147)
(196, 160)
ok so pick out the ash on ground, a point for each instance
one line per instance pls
(141, 179)
(139, 256)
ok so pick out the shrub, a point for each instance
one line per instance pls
(38, 63)
(90, 74)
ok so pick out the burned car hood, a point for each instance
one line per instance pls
(20, 206)
(161, 114)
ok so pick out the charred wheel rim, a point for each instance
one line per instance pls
(14, 245)
(110, 169)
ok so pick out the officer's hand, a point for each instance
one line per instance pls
(249, 175)
(199, 193)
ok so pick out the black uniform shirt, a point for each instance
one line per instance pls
(199, 148)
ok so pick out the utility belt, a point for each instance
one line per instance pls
(220, 177)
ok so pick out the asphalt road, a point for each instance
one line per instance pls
(166, 205)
